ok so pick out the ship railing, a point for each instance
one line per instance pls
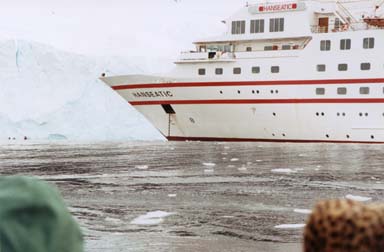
(357, 26)
(212, 55)
(219, 55)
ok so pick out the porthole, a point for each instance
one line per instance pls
(274, 114)
(284, 135)
(258, 92)
(192, 120)
(372, 137)
(253, 91)
(322, 114)
(366, 114)
(272, 91)
(318, 114)
(273, 134)
(238, 91)
(221, 92)
(348, 136)
(276, 91)
(360, 114)
(338, 114)
(344, 114)
(327, 136)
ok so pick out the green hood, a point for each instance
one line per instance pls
(34, 218)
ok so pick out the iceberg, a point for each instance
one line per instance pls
(50, 94)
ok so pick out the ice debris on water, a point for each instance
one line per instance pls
(142, 167)
(234, 159)
(357, 198)
(290, 226)
(151, 218)
(302, 211)
(243, 168)
(209, 164)
(284, 170)
(172, 195)
(209, 171)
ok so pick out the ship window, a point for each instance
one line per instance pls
(364, 90)
(255, 69)
(342, 91)
(365, 66)
(325, 45)
(321, 68)
(338, 23)
(249, 49)
(276, 24)
(275, 69)
(345, 44)
(237, 70)
(286, 47)
(268, 48)
(238, 27)
(320, 91)
(343, 67)
(368, 43)
(219, 71)
(201, 71)
(257, 26)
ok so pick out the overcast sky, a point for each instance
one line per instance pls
(115, 27)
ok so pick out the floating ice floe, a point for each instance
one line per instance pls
(112, 220)
(209, 164)
(224, 153)
(231, 166)
(234, 159)
(290, 226)
(302, 211)
(151, 218)
(357, 198)
(284, 170)
(209, 171)
(243, 168)
(226, 147)
(224, 158)
(172, 195)
(142, 167)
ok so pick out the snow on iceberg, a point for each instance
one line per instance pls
(151, 218)
(47, 92)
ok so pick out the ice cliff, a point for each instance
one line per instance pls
(49, 94)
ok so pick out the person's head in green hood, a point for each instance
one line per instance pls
(34, 218)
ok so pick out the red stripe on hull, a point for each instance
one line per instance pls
(218, 139)
(260, 101)
(248, 83)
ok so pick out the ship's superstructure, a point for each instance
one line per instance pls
(304, 71)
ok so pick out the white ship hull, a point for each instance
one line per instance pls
(286, 106)
(262, 111)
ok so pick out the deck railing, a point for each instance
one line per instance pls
(357, 26)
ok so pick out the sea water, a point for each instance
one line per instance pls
(194, 196)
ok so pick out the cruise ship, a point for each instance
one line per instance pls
(301, 71)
